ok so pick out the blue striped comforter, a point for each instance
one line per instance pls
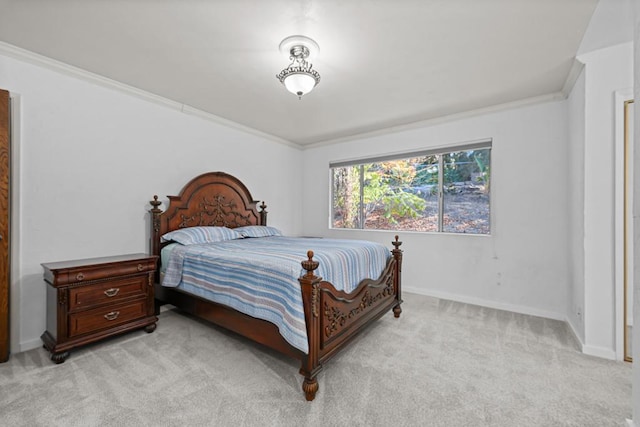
(259, 276)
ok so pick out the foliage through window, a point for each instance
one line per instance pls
(432, 190)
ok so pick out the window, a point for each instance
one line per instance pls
(443, 190)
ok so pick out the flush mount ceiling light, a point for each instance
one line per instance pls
(299, 78)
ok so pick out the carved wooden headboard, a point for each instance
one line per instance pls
(211, 199)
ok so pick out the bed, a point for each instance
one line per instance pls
(331, 313)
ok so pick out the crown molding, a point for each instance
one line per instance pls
(574, 73)
(556, 96)
(88, 76)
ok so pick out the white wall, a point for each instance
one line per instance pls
(90, 159)
(575, 162)
(611, 24)
(606, 71)
(524, 264)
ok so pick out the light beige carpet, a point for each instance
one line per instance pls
(440, 364)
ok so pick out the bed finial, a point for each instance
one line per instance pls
(310, 264)
(155, 213)
(263, 213)
(396, 243)
(155, 203)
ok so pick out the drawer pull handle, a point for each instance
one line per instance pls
(112, 292)
(112, 315)
(140, 267)
(79, 276)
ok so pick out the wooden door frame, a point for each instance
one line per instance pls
(5, 224)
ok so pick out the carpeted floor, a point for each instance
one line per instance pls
(440, 364)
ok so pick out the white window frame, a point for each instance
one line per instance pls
(440, 152)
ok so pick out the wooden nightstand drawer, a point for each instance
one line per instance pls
(106, 317)
(86, 273)
(108, 292)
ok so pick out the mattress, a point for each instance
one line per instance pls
(259, 276)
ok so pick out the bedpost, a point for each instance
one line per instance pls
(263, 214)
(397, 255)
(310, 284)
(155, 232)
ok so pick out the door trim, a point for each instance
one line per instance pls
(622, 237)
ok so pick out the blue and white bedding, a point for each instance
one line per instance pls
(259, 276)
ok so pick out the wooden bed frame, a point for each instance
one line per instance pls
(332, 317)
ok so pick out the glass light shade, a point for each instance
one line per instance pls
(299, 83)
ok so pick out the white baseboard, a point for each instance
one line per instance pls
(603, 352)
(575, 333)
(591, 350)
(487, 303)
(30, 345)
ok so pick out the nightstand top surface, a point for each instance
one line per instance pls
(62, 265)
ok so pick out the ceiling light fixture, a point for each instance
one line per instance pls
(299, 78)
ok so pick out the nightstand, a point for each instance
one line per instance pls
(92, 299)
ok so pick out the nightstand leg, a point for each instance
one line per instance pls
(150, 328)
(59, 358)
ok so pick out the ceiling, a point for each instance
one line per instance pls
(384, 63)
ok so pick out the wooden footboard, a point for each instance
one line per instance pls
(334, 317)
